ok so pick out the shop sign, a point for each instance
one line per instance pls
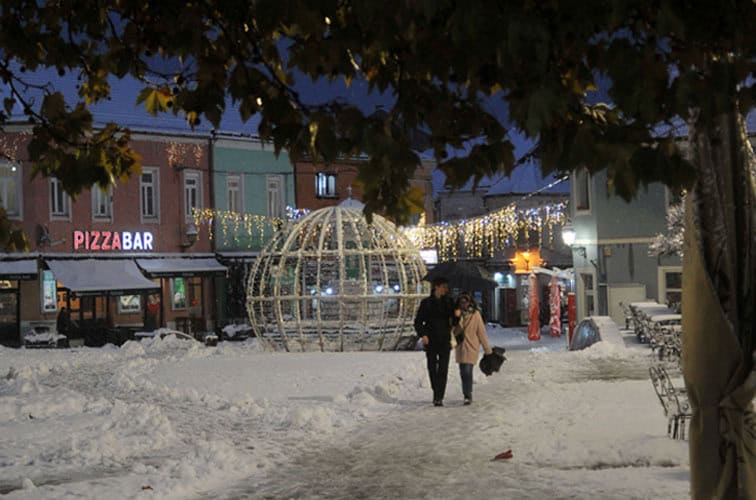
(112, 240)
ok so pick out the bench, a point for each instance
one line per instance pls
(674, 401)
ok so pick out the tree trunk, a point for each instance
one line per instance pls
(719, 272)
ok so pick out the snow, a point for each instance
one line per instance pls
(171, 418)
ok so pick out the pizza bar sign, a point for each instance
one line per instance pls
(112, 240)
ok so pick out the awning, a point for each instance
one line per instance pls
(236, 257)
(23, 269)
(184, 267)
(101, 276)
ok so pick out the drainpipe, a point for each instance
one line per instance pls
(211, 187)
(211, 178)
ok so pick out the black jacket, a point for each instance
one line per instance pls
(435, 317)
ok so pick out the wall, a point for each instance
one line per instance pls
(254, 162)
(346, 176)
(173, 156)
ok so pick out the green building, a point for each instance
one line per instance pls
(252, 188)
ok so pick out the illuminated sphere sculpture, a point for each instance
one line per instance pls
(333, 282)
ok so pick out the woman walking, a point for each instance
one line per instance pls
(470, 334)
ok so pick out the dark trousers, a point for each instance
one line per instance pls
(466, 374)
(438, 370)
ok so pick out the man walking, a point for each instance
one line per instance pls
(433, 324)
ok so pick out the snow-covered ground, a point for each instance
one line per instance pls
(175, 419)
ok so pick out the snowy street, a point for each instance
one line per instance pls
(175, 419)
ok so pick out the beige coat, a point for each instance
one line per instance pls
(475, 335)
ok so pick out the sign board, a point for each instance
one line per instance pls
(113, 241)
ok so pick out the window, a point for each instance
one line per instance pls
(129, 303)
(49, 292)
(670, 286)
(149, 194)
(325, 185)
(275, 196)
(186, 293)
(178, 293)
(233, 194)
(60, 204)
(102, 203)
(582, 190)
(192, 194)
(588, 289)
(10, 189)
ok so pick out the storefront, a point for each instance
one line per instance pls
(187, 301)
(104, 296)
(12, 272)
(232, 288)
(109, 297)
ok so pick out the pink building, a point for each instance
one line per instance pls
(120, 261)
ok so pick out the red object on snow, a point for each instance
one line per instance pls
(571, 315)
(504, 455)
(534, 327)
(555, 308)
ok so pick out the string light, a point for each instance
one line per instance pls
(475, 237)
(10, 144)
(482, 236)
(182, 153)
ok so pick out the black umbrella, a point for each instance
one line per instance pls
(463, 275)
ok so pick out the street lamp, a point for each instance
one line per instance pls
(191, 234)
(568, 236)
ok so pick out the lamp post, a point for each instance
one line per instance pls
(568, 236)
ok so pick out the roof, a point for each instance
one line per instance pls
(24, 269)
(96, 276)
(158, 268)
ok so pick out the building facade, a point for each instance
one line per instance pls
(120, 261)
(613, 266)
(253, 188)
(512, 261)
(320, 186)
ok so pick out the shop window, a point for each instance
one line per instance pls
(194, 287)
(102, 203)
(10, 189)
(192, 194)
(129, 303)
(186, 293)
(60, 203)
(325, 185)
(149, 199)
(49, 292)
(178, 293)
(234, 194)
